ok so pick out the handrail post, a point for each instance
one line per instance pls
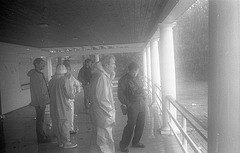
(184, 126)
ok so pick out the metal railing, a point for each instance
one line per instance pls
(179, 127)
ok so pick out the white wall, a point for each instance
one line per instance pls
(15, 61)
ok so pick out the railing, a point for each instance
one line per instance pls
(186, 118)
(180, 126)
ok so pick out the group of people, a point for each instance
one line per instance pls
(59, 92)
(96, 80)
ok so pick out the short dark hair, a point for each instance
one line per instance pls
(87, 61)
(37, 61)
(133, 66)
(66, 63)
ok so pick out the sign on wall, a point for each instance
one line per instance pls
(25, 65)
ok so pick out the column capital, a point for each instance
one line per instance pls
(154, 39)
(166, 25)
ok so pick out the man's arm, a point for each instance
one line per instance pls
(43, 91)
(102, 94)
(76, 84)
(122, 87)
(81, 77)
(68, 89)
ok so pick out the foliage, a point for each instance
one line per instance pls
(191, 42)
(124, 59)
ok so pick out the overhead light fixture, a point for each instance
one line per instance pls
(43, 25)
(75, 38)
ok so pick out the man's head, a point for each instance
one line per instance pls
(88, 63)
(39, 64)
(66, 63)
(133, 69)
(108, 63)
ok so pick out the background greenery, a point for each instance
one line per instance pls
(191, 42)
(190, 45)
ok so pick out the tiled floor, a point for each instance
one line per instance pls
(18, 134)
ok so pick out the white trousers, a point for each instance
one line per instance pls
(61, 130)
(102, 140)
(71, 115)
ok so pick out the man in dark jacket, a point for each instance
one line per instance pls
(131, 95)
(84, 76)
(39, 97)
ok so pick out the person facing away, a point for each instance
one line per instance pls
(102, 108)
(131, 95)
(75, 85)
(60, 93)
(84, 77)
(39, 97)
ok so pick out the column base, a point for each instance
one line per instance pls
(165, 131)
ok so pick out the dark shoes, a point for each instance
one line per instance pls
(44, 140)
(139, 145)
(73, 132)
(124, 149)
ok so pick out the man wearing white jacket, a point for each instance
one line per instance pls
(76, 89)
(102, 108)
(60, 93)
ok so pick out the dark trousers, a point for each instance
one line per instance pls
(86, 96)
(40, 111)
(135, 125)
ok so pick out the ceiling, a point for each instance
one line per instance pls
(68, 23)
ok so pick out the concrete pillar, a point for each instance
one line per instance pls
(224, 77)
(167, 66)
(49, 67)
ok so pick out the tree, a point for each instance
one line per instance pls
(191, 42)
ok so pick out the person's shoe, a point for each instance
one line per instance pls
(139, 145)
(44, 140)
(73, 132)
(60, 145)
(124, 149)
(69, 145)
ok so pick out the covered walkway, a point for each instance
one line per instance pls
(18, 130)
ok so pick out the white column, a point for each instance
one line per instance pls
(155, 73)
(167, 65)
(96, 57)
(145, 62)
(224, 77)
(155, 61)
(145, 66)
(49, 67)
(49, 76)
(149, 67)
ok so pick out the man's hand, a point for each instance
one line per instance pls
(124, 109)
